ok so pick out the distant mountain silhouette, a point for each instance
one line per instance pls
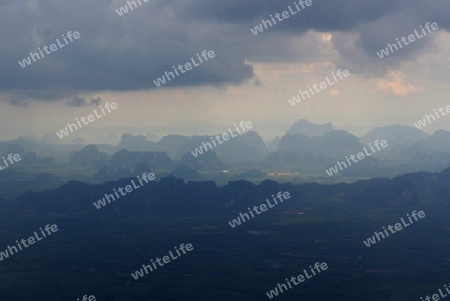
(248, 147)
(431, 154)
(397, 136)
(136, 143)
(272, 145)
(178, 145)
(308, 148)
(89, 156)
(174, 195)
(439, 141)
(309, 129)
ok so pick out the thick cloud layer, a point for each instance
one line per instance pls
(129, 52)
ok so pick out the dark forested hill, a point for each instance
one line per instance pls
(172, 195)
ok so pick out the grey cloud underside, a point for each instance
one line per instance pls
(322, 15)
(129, 52)
(81, 102)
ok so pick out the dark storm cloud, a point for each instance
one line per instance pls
(129, 52)
(376, 22)
(114, 52)
(24, 98)
(323, 15)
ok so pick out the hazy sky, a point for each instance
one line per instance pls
(251, 77)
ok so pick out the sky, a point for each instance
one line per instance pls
(117, 58)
